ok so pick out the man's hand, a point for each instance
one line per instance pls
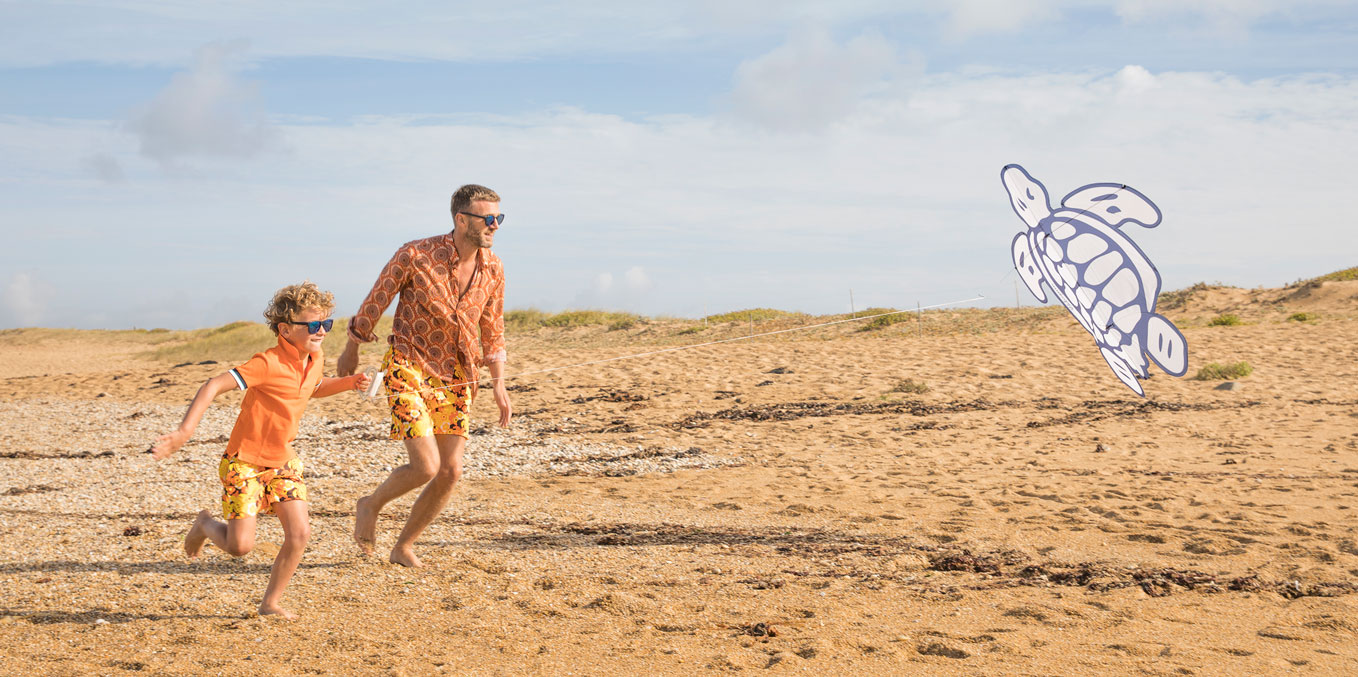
(168, 444)
(348, 359)
(502, 401)
(361, 382)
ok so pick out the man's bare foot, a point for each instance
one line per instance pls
(194, 540)
(365, 525)
(275, 610)
(405, 557)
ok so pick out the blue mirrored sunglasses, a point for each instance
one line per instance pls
(488, 219)
(315, 325)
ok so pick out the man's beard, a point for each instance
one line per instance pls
(478, 239)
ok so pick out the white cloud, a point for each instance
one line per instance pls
(637, 280)
(205, 112)
(967, 18)
(25, 300)
(812, 82)
(603, 283)
(105, 167)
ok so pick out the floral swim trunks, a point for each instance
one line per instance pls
(421, 405)
(249, 490)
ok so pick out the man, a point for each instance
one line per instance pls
(446, 284)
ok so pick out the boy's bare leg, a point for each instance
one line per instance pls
(235, 537)
(432, 500)
(296, 532)
(423, 465)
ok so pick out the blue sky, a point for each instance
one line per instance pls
(171, 164)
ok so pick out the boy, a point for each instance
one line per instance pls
(259, 471)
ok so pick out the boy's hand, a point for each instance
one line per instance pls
(361, 382)
(168, 444)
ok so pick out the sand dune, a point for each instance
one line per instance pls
(782, 504)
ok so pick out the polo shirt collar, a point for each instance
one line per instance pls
(291, 351)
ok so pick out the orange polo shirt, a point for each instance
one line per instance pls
(277, 384)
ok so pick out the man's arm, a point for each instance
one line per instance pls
(393, 278)
(169, 443)
(492, 323)
(497, 372)
(493, 347)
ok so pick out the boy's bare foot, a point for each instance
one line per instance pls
(405, 557)
(365, 525)
(194, 540)
(275, 610)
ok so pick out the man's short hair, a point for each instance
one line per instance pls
(292, 300)
(466, 195)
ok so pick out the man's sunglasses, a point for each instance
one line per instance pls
(488, 219)
(315, 325)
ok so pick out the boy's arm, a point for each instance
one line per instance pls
(169, 443)
(331, 385)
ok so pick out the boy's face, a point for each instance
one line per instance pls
(297, 335)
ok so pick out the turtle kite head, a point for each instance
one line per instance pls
(1027, 195)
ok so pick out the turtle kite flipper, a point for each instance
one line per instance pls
(1122, 369)
(1114, 204)
(1166, 345)
(1026, 265)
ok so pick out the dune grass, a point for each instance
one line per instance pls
(752, 315)
(1303, 317)
(1172, 300)
(885, 320)
(531, 319)
(910, 386)
(1345, 275)
(1225, 320)
(30, 335)
(1213, 371)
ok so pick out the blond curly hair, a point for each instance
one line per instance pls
(292, 300)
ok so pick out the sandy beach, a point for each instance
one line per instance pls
(977, 500)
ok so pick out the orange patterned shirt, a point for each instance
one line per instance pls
(434, 323)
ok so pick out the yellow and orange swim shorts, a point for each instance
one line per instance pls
(249, 490)
(422, 404)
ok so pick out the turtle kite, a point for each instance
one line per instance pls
(1096, 271)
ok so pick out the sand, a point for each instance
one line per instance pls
(774, 506)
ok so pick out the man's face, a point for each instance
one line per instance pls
(478, 233)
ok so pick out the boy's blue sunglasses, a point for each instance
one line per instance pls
(488, 219)
(315, 325)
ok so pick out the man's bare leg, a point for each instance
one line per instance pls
(423, 465)
(296, 532)
(432, 500)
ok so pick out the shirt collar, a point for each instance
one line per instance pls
(452, 246)
(291, 351)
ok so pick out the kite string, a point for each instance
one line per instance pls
(710, 343)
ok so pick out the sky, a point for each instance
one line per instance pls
(171, 164)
